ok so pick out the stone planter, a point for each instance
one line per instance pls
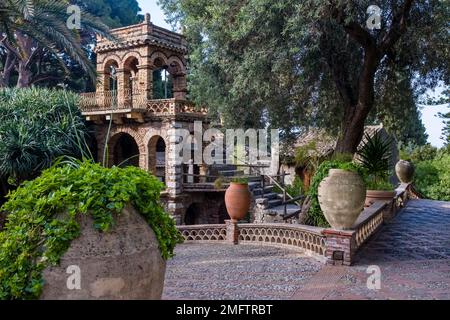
(341, 198)
(405, 171)
(373, 195)
(237, 200)
(123, 263)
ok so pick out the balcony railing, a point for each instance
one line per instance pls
(103, 102)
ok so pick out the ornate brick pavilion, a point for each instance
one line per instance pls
(142, 128)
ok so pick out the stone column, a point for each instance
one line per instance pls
(174, 176)
(145, 81)
(101, 79)
(179, 87)
(121, 87)
(232, 232)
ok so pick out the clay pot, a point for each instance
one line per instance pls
(341, 198)
(237, 200)
(373, 195)
(405, 171)
(123, 263)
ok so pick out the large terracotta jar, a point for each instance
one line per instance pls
(237, 200)
(341, 198)
(405, 171)
(123, 263)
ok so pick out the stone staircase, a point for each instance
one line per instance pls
(267, 205)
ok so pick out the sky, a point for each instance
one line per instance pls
(432, 123)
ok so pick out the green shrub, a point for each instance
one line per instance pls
(432, 177)
(315, 215)
(418, 154)
(42, 218)
(240, 180)
(382, 185)
(295, 189)
(37, 126)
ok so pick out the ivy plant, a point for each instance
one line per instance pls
(42, 219)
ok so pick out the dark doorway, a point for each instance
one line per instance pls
(126, 152)
(192, 215)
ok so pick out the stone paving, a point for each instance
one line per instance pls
(412, 253)
(222, 271)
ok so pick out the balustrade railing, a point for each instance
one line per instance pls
(136, 100)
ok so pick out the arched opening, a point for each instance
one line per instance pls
(110, 83)
(125, 151)
(178, 77)
(157, 157)
(192, 215)
(110, 71)
(131, 84)
(162, 84)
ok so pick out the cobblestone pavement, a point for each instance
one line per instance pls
(221, 271)
(412, 252)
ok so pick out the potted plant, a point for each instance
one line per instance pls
(86, 232)
(374, 157)
(341, 193)
(238, 198)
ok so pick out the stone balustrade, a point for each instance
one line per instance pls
(106, 102)
(331, 246)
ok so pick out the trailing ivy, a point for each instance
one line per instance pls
(42, 218)
(315, 214)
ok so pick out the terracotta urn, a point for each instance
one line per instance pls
(341, 198)
(383, 195)
(237, 200)
(374, 195)
(405, 171)
(121, 264)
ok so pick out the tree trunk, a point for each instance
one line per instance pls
(25, 75)
(5, 76)
(352, 129)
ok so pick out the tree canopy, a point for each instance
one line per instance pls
(315, 62)
(32, 30)
(37, 48)
(112, 12)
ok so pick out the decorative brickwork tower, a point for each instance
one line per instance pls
(142, 130)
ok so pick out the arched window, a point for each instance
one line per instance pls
(131, 74)
(162, 84)
(110, 75)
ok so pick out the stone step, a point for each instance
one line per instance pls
(269, 196)
(279, 210)
(254, 179)
(231, 173)
(258, 190)
(275, 202)
(253, 185)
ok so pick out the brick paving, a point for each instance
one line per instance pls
(412, 252)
